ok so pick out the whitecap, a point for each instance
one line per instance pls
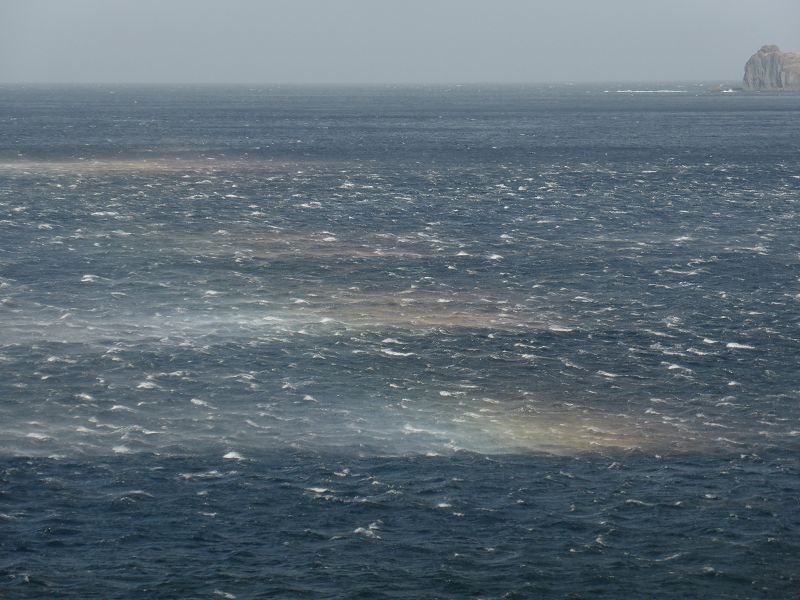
(213, 474)
(369, 531)
(140, 493)
(388, 352)
(607, 374)
(638, 502)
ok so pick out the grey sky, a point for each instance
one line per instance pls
(378, 41)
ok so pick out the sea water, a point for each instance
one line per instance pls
(399, 342)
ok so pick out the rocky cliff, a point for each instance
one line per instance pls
(771, 69)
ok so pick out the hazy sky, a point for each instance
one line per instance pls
(380, 41)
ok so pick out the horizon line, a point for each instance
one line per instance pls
(566, 82)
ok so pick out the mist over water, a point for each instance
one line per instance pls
(213, 286)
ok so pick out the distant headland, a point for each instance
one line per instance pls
(771, 69)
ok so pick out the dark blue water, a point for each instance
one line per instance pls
(425, 342)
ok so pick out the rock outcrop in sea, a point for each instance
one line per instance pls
(771, 69)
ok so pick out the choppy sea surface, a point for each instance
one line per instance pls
(399, 342)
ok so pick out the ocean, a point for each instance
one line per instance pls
(399, 342)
